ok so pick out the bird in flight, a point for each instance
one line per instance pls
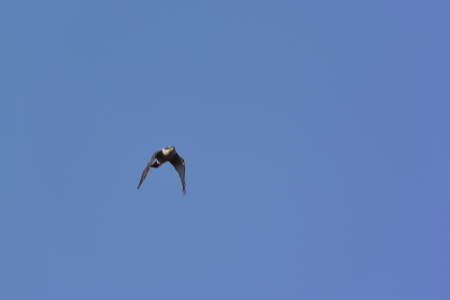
(159, 157)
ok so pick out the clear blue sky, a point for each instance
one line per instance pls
(315, 135)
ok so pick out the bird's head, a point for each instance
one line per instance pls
(168, 150)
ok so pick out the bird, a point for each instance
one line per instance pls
(161, 156)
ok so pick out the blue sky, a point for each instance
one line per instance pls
(315, 135)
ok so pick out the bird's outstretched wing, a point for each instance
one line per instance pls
(147, 168)
(178, 164)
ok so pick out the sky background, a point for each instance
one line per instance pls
(315, 136)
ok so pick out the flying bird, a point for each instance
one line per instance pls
(159, 157)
